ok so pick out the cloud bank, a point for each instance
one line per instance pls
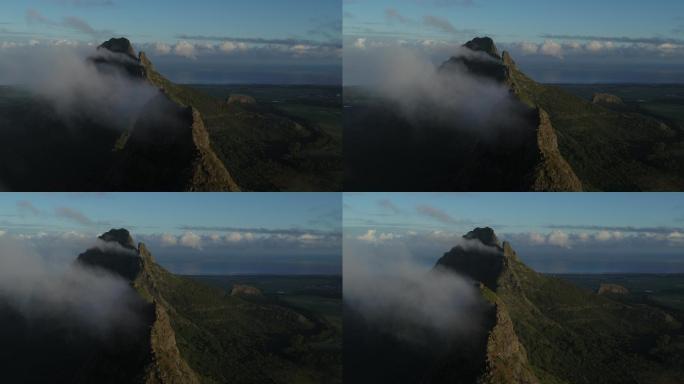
(40, 286)
(390, 289)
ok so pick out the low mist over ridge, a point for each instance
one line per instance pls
(535, 329)
(523, 136)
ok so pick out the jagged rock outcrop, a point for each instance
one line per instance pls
(240, 99)
(506, 356)
(490, 263)
(168, 367)
(120, 256)
(479, 259)
(524, 157)
(606, 99)
(552, 172)
(167, 148)
(483, 44)
(612, 289)
(247, 290)
(118, 54)
(115, 253)
(488, 64)
(119, 45)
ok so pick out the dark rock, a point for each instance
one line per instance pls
(606, 98)
(246, 290)
(120, 258)
(483, 44)
(121, 236)
(241, 99)
(614, 289)
(486, 236)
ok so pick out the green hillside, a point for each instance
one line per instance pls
(188, 332)
(572, 335)
(264, 147)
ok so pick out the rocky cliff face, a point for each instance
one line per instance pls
(551, 173)
(606, 98)
(117, 54)
(119, 255)
(115, 253)
(528, 158)
(490, 263)
(615, 289)
(546, 330)
(241, 289)
(506, 356)
(167, 147)
(481, 260)
(486, 61)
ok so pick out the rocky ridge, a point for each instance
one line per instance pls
(538, 332)
(168, 146)
(165, 366)
(547, 170)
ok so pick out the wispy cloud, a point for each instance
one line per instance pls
(616, 39)
(85, 3)
(269, 231)
(436, 213)
(391, 14)
(258, 40)
(75, 216)
(27, 206)
(70, 22)
(661, 230)
(439, 24)
(389, 205)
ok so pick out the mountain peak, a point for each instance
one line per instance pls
(118, 254)
(486, 236)
(121, 236)
(483, 44)
(119, 45)
(483, 264)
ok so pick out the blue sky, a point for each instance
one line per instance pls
(552, 232)
(188, 232)
(554, 41)
(272, 36)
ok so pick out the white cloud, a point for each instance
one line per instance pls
(184, 49)
(229, 47)
(676, 238)
(596, 46)
(360, 43)
(609, 235)
(234, 237)
(551, 48)
(559, 238)
(191, 240)
(368, 236)
(537, 238)
(162, 49)
(168, 240)
(529, 48)
(2, 233)
(307, 237)
(668, 47)
(372, 236)
(73, 235)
